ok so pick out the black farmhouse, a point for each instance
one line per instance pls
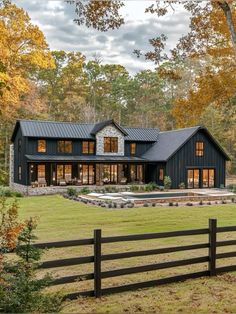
(55, 154)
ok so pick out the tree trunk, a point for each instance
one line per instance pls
(229, 19)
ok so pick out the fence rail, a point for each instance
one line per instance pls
(97, 258)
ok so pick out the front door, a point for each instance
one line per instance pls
(193, 178)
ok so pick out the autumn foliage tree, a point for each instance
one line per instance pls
(23, 50)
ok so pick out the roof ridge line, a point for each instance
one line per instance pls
(51, 121)
(181, 129)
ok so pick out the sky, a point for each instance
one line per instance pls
(55, 19)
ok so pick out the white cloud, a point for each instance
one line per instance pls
(55, 19)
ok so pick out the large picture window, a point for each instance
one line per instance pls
(41, 146)
(110, 144)
(88, 147)
(199, 149)
(64, 147)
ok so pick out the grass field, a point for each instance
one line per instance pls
(63, 219)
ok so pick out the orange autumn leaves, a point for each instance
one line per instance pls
(10, 227)
(23, 49)
(215, 84)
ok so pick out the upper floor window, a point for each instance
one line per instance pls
(41, 146)
(88, 147)
(199, 148)
(64, 147)
(19, 145)
(132, 148)
(110, 144)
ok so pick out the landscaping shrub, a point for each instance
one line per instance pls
(161, 188)
(167, 182)
(110, 189)
(5, 191)
(171, 204)
(177, 204)
(189, 204)
(71, 191)
(201, 203)
(134, 188)
(145, 204)
(151, 186)
(153, 204)
(84, 190)
(182, 185)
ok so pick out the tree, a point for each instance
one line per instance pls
(23, 50)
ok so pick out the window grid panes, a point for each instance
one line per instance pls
(199, 149)
(41, 146)
(88, 147)
(110, 144)
(64, 147)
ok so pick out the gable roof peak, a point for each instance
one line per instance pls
(100, 125)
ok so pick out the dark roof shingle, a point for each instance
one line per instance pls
(51, 129)
(168, 142)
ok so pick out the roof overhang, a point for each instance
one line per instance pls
(66, 158)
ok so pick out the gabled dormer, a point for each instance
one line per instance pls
(110, 138)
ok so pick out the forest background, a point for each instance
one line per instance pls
(193, 84)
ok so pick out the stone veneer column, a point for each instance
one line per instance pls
(11, 166)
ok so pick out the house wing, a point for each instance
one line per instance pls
(170, 142)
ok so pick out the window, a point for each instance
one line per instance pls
(41, 172)
(132, 148)
(110, 144)
(64, 147)
(41, 146)
(87, 147)
(199, 149)
(19, 173)
(161, 174)
(19, 145)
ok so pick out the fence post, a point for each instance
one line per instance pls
(97, 263)
(212, 247)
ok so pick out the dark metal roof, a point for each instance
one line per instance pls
(51, 129)
(169, 142)
(84, 158)
(99, 126)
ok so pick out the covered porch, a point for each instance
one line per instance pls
(78, 173)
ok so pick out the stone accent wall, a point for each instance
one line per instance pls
(19, 188)
(11, 166)
(109, 131)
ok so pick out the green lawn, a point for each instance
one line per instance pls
(60, 218)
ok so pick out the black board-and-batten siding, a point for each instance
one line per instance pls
(185, 158)
(175, 165)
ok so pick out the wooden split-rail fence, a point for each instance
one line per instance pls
(97, 258)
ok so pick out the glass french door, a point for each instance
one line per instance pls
(208, 178)
(110, 173)
(64, 172)
(87, 174)
(193, 178)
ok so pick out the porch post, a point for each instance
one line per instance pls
(99, 171)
